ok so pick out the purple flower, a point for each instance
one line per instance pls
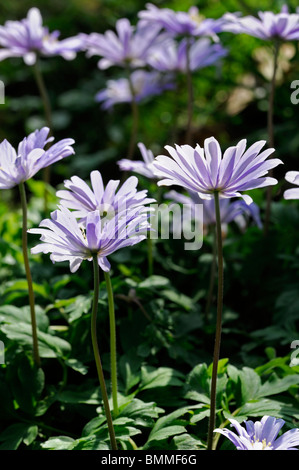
(172, 56)
(145, 84)
(30, 157)
(268, 25)
(67, 240)
(206, 170)
(189, 23)
(109, 201)
(229, 210)
(292, 177)
(127, 47)
(142, 167)
(28, 38)
(261, 435)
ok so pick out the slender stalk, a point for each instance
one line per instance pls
(218, 325)
(113, 356)
(135, 117)
(48, 117)
(97, 352)
(150, 256)
(270, 128)
(212, 272)
(28, 274)
(190, 93)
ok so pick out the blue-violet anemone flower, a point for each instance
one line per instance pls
(206, 170)
(293, 178)
(109, 201)
(68, 240)
(261, 435)
(28, 38)
(30, 157)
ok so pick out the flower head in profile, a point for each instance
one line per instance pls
(109, 201)
(143, 167)
(182, 23)
(268, 25)
(68, 240)
(261, 435)
(128, 46)
(293, 178)
(145, 84)
(28, 37)
(206, 170)
(237, 211)
(17, 166)
(171, 56)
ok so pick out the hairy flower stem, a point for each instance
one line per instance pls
(113, 356)
(48, 117)
(218, 325)
(97, 353)
(270, 128)
(212, 273)
(190, 94)
(28, 275)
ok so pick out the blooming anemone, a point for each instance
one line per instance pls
(143, 85)
(171, 56)
(189, 23)
(142, 167)
(108, 201)
(30, 157)
(28, 37)
(206, 171)
(67, 240)
(261, 435)
(292, 177)
(128, 46)
(268, 25)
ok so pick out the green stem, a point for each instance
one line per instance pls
(97, 352)
(48, 117)
(212, 272)
(190, 93)
(135, 117)
(28, 274)
(113, 355)
(218, 325)
(270, 127)
(150, 255)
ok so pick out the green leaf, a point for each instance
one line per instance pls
(160, 377)
(58, 443)
(17, 433)
(277, 385)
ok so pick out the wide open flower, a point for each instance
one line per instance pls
(206, 170)
(28, 37)
(261, 435)
(67, 240)
(292, 177)
(268, 25)
(109, 201)
(128, 46)
(30, 157)
(145, 84)
(189, 23)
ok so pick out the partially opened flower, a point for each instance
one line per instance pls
(143, 85)
(68, 240)
(142, 167)
(17, 166)
(128, 46)
(109, 201)
(261, 435)
(206, 171)
(293, 178)
(189, 23)
(268, 25)
(28, 38)
(171, 56)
